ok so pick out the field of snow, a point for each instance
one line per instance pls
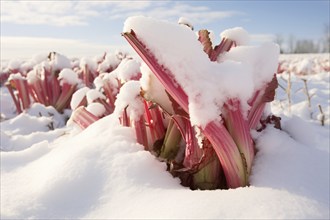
(102, 172)
(51, 169)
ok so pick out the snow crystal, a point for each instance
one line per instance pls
(237, 34)
(68, 76)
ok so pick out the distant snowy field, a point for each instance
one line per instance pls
(102, 173)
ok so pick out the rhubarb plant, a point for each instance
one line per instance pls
(52, 80)
(226, 130)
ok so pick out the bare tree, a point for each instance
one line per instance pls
(306, 46)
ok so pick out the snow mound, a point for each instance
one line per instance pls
(113, 177)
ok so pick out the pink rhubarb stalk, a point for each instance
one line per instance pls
(213, 54)
(259, 100)
(141, 132)
(21, 86)
(65, 97)
(238, 128)
(154, 121)
(83, 118)
(110, 94)
(228, 154)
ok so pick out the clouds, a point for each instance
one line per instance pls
(77, 13)
(56, 13)
(174, 10)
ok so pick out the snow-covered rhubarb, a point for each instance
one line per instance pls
(130, 110)
(223, 144)
(89, 68)
(79, 98)
(192, 81)
(68, 81)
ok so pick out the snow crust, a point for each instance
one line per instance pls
(199, 77)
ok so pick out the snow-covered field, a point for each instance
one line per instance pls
(53, 171)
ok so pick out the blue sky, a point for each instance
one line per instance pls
(88, 27)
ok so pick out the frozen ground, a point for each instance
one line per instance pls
(50, 171)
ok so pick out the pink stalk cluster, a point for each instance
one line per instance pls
(148, 124)
(44, 87)
(39, 81)
(223, 155)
